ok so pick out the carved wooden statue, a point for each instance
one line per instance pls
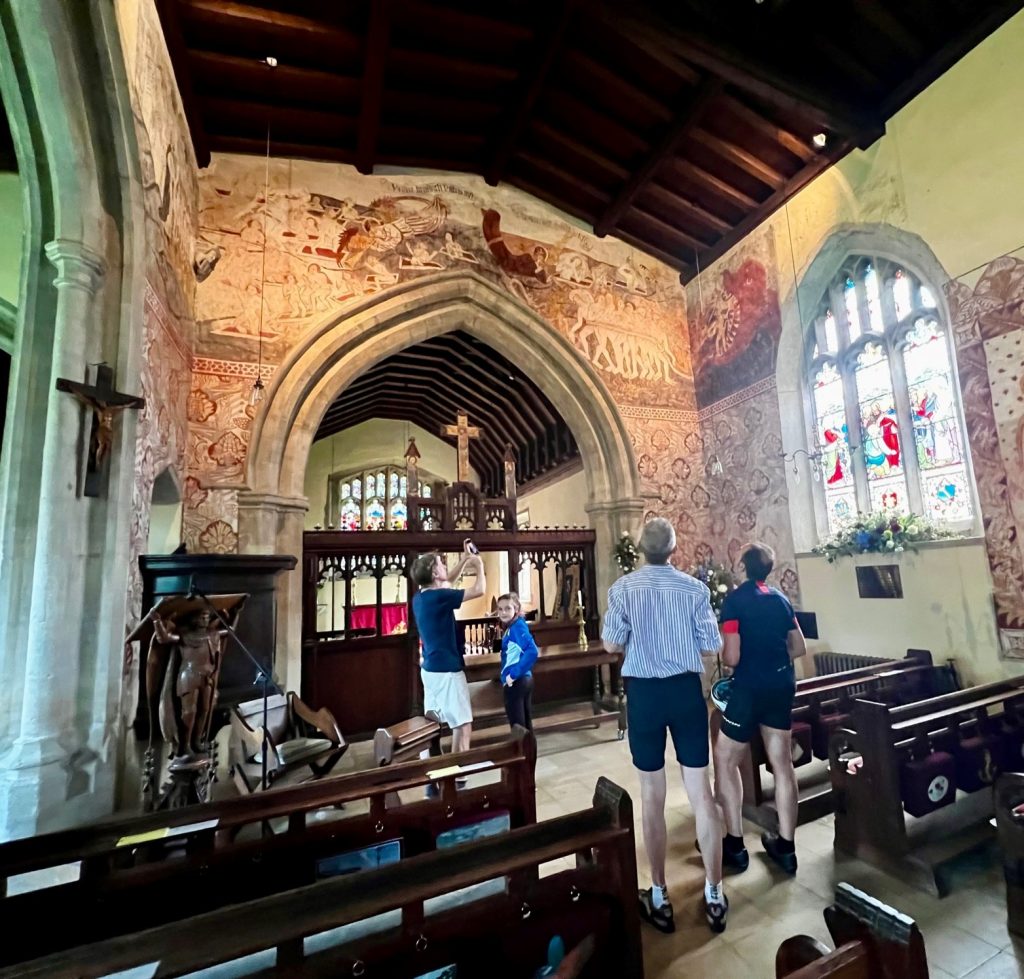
(182, 672)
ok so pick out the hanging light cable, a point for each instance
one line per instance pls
(258, 391)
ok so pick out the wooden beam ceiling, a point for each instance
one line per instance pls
(677, 128)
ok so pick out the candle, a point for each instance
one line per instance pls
(579, 598)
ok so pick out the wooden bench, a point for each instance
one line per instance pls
(407, 738)
(921, 796)
(873, 941)
(1009, 805)
(821, 704)
(140, 871)
(591, 907)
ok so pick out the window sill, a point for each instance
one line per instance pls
(923, 546)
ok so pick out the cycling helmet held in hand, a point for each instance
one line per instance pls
(720, 691)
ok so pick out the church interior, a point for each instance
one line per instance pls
(293, 292)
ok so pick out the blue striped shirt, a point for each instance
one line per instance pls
(663, 618)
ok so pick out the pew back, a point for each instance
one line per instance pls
(504, 934)
(139, 871)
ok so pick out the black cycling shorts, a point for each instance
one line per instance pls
(751, 707)
(675, 704)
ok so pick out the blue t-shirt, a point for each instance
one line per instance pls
(434, 609)
(763, 618)
(518, 650)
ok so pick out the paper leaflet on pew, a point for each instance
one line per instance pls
(459, 769)
(165, 831)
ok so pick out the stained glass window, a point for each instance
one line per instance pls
(885, 399)
(383, 505)
(833, 444)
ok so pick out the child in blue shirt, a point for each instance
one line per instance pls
(518, 654)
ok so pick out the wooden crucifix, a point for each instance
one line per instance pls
(105, 404)
(463, 431)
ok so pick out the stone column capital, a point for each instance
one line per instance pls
(77, 265)
(271, 501)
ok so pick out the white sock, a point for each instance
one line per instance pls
(659, 895)
(713, 893)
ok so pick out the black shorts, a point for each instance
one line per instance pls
(675, 703)
(750, 707)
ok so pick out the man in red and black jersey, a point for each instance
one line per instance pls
(762, 638)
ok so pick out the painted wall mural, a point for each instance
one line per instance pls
(988, 326)
(736, 322)
(324, 238)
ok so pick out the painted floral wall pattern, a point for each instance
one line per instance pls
(988, 325)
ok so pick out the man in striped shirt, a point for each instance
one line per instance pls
(662, 620)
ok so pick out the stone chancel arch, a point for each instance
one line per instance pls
(272, 508)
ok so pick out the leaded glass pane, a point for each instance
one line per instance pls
(831, 334)
(937, 439)
(403, 486)
(375, 517)
(380, 482)
(351, 515)
(426, 491)
(880, 436)
(852, 309)
(346, 490)
(901, 294)
(357, 488)
(877, 324)
(399, 515)
(833, 444)
(392, 483)
(927, 297)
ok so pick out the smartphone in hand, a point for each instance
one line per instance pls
(470, 547)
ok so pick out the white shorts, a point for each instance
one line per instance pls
(447, 694)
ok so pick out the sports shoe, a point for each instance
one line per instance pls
(661, 917)
(785, 859)
(737, 860)
(716, 914)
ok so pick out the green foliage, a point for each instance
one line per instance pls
(888, 532)
(627, 557)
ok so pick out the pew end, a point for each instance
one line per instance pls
(1010, 830)
(873, 941)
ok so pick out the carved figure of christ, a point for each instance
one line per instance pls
(463, 431)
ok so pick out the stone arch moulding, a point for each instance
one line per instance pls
(332, 356)
(877, 240)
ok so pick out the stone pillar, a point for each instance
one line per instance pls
(34, 777)
(271, 524)
(610, 520)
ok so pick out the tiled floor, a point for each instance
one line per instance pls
(965, 934)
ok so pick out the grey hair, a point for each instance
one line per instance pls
(658, 540)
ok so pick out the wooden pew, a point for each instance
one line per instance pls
(407, 739)
(818, 699)
(139, 871)
(870, 820)
(593, 908)
(873, 941)
(1010, 829)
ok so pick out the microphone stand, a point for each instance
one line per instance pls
(262, 677)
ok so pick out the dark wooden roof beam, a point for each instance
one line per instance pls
(683, 124)
(630, 93)
(772, 204)
(715, 184)
(891, 27)
(746, 161)
(229, 19)
(378, 35)
(287, 149)
(646, 26)
(167, 11)
(549, 44)
(581, 150)
(800, 148)
(557, 173)
(664, 228)
(454, 70)
(447, 21)
(288, 84)
(673, 201)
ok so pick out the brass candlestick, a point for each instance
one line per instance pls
(582, 620)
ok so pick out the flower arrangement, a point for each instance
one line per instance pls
(627, 557)
(720, 581)
(888, 532)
